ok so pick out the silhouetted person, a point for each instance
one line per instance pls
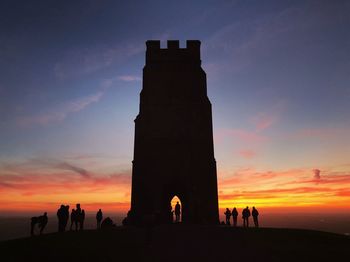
(41, 221)
(255, 215)
(82, 219)
(60, 217)
(228, 216)
(246, 215)
(73, 218)
(78, 208)
(77, 217)
(99, 218)
(33, 222)
(234, 214)
(177, 212)
(65, 217)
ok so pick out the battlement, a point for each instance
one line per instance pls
(173, 52)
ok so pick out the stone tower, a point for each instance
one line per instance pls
(173, 147)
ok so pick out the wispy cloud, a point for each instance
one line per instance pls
(247, 153)
(130, 78)
(61, 112)
(79, 170)
(241, 134)
(252, 136)
(88, 60)
(333, 178)
(324, 133)
(269, 117)
(55, 180)
(236, 46)
(33, 165)
(6, 185)
(285, 188)
(46, 177)
(263, 120)
(275, 192)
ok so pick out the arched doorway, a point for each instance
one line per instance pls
(177, 212)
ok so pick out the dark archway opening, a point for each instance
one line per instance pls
(176, 208)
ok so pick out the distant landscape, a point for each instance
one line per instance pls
(18, 226)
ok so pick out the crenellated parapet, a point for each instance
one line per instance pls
(174, 150)
(173, 52)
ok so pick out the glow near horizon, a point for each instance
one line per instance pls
(278, 80)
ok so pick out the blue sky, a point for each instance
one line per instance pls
(278, 77)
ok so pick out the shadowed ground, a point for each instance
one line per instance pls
(180, 243)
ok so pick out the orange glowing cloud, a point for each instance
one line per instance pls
(37, 185)
(32, 184)
(290, 188)
(240, 134)
(247, 153)
(323, 133)
(263, 121)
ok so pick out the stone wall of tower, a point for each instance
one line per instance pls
(173, 147)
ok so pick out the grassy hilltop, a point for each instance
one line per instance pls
(180, 243)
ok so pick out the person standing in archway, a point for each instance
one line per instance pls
(177, 212)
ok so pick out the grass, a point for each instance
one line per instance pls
(180, 243)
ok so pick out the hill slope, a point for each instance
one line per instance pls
(180, 243)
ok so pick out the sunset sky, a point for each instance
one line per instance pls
(278, 76)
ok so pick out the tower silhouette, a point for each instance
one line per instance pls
(173, 147)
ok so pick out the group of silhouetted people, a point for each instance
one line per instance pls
(77, 218)
(245, 216)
